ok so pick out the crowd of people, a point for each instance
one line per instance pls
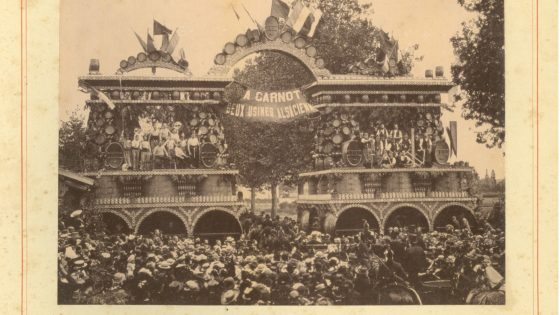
(161, 145)
(274, 263)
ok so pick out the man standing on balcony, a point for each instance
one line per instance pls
(145, 154)
(193, 148)
(159, 155)
(135, 150)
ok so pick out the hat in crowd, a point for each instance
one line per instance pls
(192, 285)
(80, 263)
(229, 296)
(119, 278)
(164, 265)
(75, 213)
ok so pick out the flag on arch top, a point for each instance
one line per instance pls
(160, 29)
(280, 9)
(298, 15)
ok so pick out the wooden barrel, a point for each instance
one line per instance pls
(115, 95)
(100, 122)
(141, 57)
(193, 122)
(176, 95)
(166, 57)
(154, 56)
(241, 40)
(327, 148)
(352, 153)
(304, 220)
(220, 59)
(202, 115)
(156, 95)
(420, 98)
(131, 60)
(286, 37)
(208, 154)
(300, 42)
(229, 48)
(439, 71)
(123, 64)
(203, 130)
(114, 155)
(337, 139)
(136, 95)
(311, 51)
(429, 73)
(336, 123)
(329, 224)
(328, 131)
(437, 98)
(441, 152)
(110, 129)
(365, 98)
(100, 139)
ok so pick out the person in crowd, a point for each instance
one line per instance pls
(145, 154)
(164, 132)
(403, 160)
(180, 155)
(127, 148)
(170, 144)
(154, 135)
(193, 149)
(136, 145)
(160, 155)
(396, 134)
(381, 131)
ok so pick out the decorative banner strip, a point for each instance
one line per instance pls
(278, 106)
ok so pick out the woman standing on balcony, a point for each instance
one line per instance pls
(193, 149)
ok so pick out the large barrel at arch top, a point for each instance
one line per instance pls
(441, 152)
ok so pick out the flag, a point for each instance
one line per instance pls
(298, 16)
(280, 9)
(150, 44)
(385, 65)
(142, 42)
(160, 29)
(172, 43)
(104, 98)
(164, 42)
(234, 11)
(317, 14)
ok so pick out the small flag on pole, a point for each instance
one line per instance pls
(453, 135)
(160, 29)
(259, 26)
(173, 43)
(317, 14)
(142, 42)
(298, 16)
(150, 43)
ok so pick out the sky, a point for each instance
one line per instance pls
(104, 30)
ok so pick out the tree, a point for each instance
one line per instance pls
(479, 72)
(268, 154)
(71, 136)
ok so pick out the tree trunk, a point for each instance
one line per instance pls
(274, 191)
(253, 199)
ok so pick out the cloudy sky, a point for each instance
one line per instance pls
(103, 29)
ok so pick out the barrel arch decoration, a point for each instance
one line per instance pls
(254, 41)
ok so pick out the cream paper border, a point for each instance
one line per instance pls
(41, 173)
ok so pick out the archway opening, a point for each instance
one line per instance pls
(455, 216)
(407, 217)
(217, 225)
(114, 224)
(351, 221)
(166, 222)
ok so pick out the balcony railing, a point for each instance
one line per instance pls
(165, 199)
(386, 195)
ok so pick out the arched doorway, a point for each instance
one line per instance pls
(350, 221)
(408, 217)
(454, 215)
(166, 222)
(217, 224)
(114, 224)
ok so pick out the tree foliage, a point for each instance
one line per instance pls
(479, 72)
(72, 134)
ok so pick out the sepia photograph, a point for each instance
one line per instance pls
(281, 152)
